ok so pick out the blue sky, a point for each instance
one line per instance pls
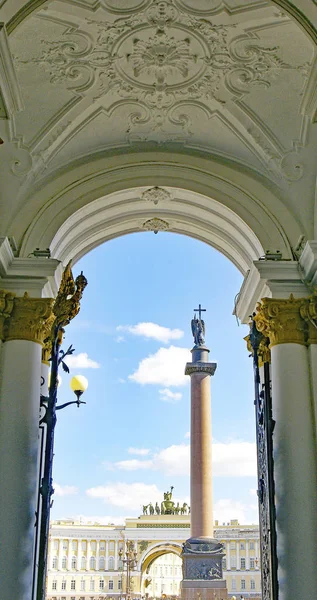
(129, 443)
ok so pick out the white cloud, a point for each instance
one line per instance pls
(129, 496)
(81, 361)
(153, 331)
(231, 459)
(165, 367)
(119, 339)
(104, 520)
(134, 464)
(227, 509)
(187, 435)
(167, 395)
(139, 451)
(64, 490)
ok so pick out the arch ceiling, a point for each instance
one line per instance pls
(226, 84)
(155, 552)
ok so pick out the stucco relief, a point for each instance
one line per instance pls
(162, 58)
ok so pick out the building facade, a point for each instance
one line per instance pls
(85, 561)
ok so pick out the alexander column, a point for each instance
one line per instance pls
(202, 554)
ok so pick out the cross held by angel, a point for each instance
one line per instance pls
(198, 327)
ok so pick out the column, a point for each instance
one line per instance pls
(69, 555)
(247, 556)
(309, 313)
(23, 333)
(200, 371)
(237, 556)
(202, 554)
(294, 449)
(228, 557)
(88, 554)
(116, 555)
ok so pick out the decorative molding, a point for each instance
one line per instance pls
(31, 319)
(160, 55)
(156, 194)
(201, 367)
(155, 225)
(9, 86)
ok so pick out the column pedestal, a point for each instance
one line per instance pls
(202, 570)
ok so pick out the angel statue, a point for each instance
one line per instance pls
(198, 328)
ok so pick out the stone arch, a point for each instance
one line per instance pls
(231, 210)
(151, 554)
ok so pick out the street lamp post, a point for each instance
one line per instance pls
(130, 561)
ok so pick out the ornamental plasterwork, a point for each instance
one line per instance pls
(156, 194)
(165, 60)
(155, 225)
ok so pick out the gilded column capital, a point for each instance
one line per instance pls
(31, 319)
(281, 320)
(6, 307)
(309, 314)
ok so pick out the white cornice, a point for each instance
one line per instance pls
(8, 80)
(39, 277)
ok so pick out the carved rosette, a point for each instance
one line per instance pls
(6, 307)
(281, 320)
(31, 319)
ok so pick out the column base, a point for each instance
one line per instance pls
(204, 590)
(202, 570)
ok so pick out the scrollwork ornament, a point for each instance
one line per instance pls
(281, 320)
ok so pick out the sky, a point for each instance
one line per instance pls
(130, 442)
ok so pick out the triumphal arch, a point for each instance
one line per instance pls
(189, 116)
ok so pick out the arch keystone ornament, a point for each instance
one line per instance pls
(156, 225)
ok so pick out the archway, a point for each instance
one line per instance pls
(161, 579)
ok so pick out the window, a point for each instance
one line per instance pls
(74, 563)
(54, 562)
(251, 545)
(64, 562)
(92, 562)
(111, 563)
(243, 584)
(101, 584)
(111, 545)
(110, 585)
(74, 544)
(224, 564)
(242, 563)
(93, 545)
(64, 584)
(251, 563)
(233, 562)
(82, 585)
(55, 544)
(252, 584)
(102, 545)
(101, 564)
(242, 546)
(65, 544)
(54, 585)
(119, 584)
(92, 585)
(232, 545)
(120, 564)
(83, 545)
(120, 545)
(83, 562)
(73, 584)
(233, 585)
